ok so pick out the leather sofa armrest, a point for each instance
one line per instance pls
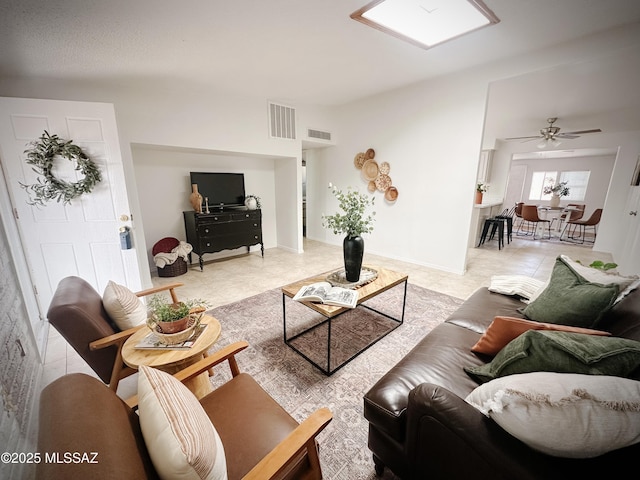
(447, 437)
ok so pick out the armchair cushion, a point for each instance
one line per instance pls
(123, 306)
(563, 414)
(179, 436)
(249, 437)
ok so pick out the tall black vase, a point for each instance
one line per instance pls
(353, 248)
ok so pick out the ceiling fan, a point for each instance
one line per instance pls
(551, 135)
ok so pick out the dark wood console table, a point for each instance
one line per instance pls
(225, 230)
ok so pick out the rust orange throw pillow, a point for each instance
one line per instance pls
(504, 329)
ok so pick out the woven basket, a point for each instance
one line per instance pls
(179, 267)
(179, 337)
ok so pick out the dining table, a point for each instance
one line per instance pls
(547, 212)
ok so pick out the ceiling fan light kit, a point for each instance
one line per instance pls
(550, 135)
(546, 142)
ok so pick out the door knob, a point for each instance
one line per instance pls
(633, 212)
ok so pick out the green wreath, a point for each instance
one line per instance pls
(49, 187)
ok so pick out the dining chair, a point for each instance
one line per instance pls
(581, 225)
(518, 213)
(530, 215)
(575, 211)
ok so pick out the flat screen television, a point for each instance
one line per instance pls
(222, 189)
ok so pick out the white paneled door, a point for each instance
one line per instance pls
(81, 238)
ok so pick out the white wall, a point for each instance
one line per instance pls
(599, 166)
(430, 133)
(207, 122)
(164, 187)
(433, 166)
(614, 224)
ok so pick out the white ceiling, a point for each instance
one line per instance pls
(298, 51)
(600, 93)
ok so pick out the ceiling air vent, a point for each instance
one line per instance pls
(319, 134)
(282, 121)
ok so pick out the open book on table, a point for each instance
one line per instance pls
(323, 292)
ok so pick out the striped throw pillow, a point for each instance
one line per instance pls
(181, 440)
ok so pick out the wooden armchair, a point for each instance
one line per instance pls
(252, 425)
(77, 312)
(260, 439)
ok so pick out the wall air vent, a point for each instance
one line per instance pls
(282, 121)
(319, 134)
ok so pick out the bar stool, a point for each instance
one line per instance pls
(508, 216)
(495, 224)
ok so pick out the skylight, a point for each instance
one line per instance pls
(426, 23)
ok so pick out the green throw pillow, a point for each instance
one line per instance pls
(569, 299)
(562, 352)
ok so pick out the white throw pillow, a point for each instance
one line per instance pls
(515, 285)
(123, 306)
(564, 414)
(181, 440)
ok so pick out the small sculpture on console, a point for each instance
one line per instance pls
(195, 198)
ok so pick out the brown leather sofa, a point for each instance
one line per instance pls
(421, 427)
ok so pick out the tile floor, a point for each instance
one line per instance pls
(234, 278)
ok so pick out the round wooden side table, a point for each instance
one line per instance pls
(172, 361)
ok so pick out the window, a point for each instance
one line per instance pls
(539, 180)
(576, 181)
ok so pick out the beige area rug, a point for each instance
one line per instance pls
(302, 388)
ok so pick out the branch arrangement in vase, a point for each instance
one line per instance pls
(353, 221)
(561, 189)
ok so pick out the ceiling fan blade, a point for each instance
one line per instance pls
(580, 132)
(523, 138)
(567, 136)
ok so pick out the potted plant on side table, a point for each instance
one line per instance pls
(172, 317)
(353, 223)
